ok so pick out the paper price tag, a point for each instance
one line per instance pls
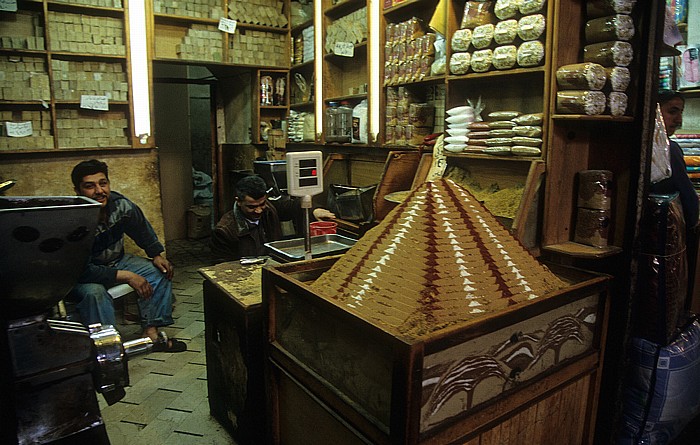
(8, 5)
(19, 129)
(345, 49)
(100, 103)
(227, 25)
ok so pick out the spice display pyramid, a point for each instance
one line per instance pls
(439, 258)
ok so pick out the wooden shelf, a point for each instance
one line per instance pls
(185, 20)
(592, 118)
(690, 92)
(495, 74)
(492, 157)
(83, 56)
(359, 47)
(300, 66)
(302, 26)
(577, 250)
(273, 107)
(93, 10)
(67, 150)
(302, 105)
(24, 103)
(22, 52)
(344, 7)
(407, 6)
(349, 97)
(429, 80)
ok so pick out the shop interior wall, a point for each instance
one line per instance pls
(134, 174)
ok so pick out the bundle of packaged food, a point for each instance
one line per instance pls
(458, 120)
(409, 52)
(506, 133)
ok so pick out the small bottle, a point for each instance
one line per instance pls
(330, 123)
(344, 122)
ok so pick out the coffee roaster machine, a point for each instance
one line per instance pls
(51, 369)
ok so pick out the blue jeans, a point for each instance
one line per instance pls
(95, 304)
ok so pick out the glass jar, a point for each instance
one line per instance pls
(344, 123)
(330, 123)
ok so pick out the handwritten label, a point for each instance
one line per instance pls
(100, 103)
(227, 25)
(19, 129)
(345, 49)
(8, 5)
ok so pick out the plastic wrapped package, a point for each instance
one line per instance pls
(477, 13)
(473, 149)
(456, 139)
(414, 29)
(460, 63)
(482, 36)
(528, 119)
(399, 135)
(461, 40)
(388, 73)
(660, 398)
(401, 32)
(501, 133)
(495, 142)
(613, 53)
(400, 72)
(425, 66)
(460, 119)
(506, 9)
(411, 49)
(581, 76)
(505, 57)
(461, 110)
(505, 31)
(617, 103)
(477, 142)
(527, 141)
(439, 66)
(474, 135)
(530, 6)
(592, 227)
(455, 148)
(458, 132)
(530, 53)
(618, 78)
(390, 134)
(614, 27)
(421, 115)
(531, 27)
(580, 102)
(391, 118)
(595, 189)
(497, 150)
(533, 131)
(388, 52)
(392, 97)
(601, 8)
(502, 115)
(481, 60)
(501, 125)
(390, 31)
(428, 44)
(524, 150)
(479, 126)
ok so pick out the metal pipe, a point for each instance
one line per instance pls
(138, 346)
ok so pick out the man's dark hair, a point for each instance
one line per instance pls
(87, 168)
(666, 95)
(253, 186)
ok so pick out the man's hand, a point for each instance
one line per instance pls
(140, 284)
(163, 265)
(323, 214)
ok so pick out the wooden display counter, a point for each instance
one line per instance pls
(527, 374)
(234, 346)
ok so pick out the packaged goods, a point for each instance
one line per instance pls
(618, 78)
(463, 125)
(455, 148)
(391, 115)
(505, 31)
(501, 124)
(617, 103)
(580, 102)
(428, 44)
(506, 9)
(481, 60)
(497, 150)
(477, 13)
(359, 123)
(528, 119)
(456, 139)
(390, 134)
(473, 149)
(614, 27)
(461, 40)
(462, 109)
(502, 115)
(601, 8)
(460, 119)
(458, 132)
(460, 63)
(479, 126)
(478, 135)
(482, 36)
(530, 6)
(505, 57)
(421, 114)
(477, 142)
(501, 133)
(530, 53)
(494, 142)
(532, 131)
(613, 53)
(531, 27)
(592, 227)
(414, 29)
(581, 76)
(392, 97)
(527, 141)
(595, 189)
(524, 150)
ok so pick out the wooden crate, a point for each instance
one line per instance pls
(234, 337)
(450, 386)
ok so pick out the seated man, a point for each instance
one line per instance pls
(254, 220)
(109, 265)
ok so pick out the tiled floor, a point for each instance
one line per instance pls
(166, 402)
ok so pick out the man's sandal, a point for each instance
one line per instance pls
(165, 344)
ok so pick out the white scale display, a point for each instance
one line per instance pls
(304, 173)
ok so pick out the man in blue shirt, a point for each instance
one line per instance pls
(110, 265)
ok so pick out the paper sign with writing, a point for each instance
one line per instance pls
(227, 25)
(19, 129)
(345, 49)
(8, 5)
(100, 103)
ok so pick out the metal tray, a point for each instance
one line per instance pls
(322, 245)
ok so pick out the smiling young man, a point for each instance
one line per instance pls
(110, 265)
(254, 221)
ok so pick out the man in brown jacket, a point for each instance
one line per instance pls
(254, 220)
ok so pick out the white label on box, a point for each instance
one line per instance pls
(100, 103)
(345, 49)
(227, 25)
(19, 129)
(8, 5)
